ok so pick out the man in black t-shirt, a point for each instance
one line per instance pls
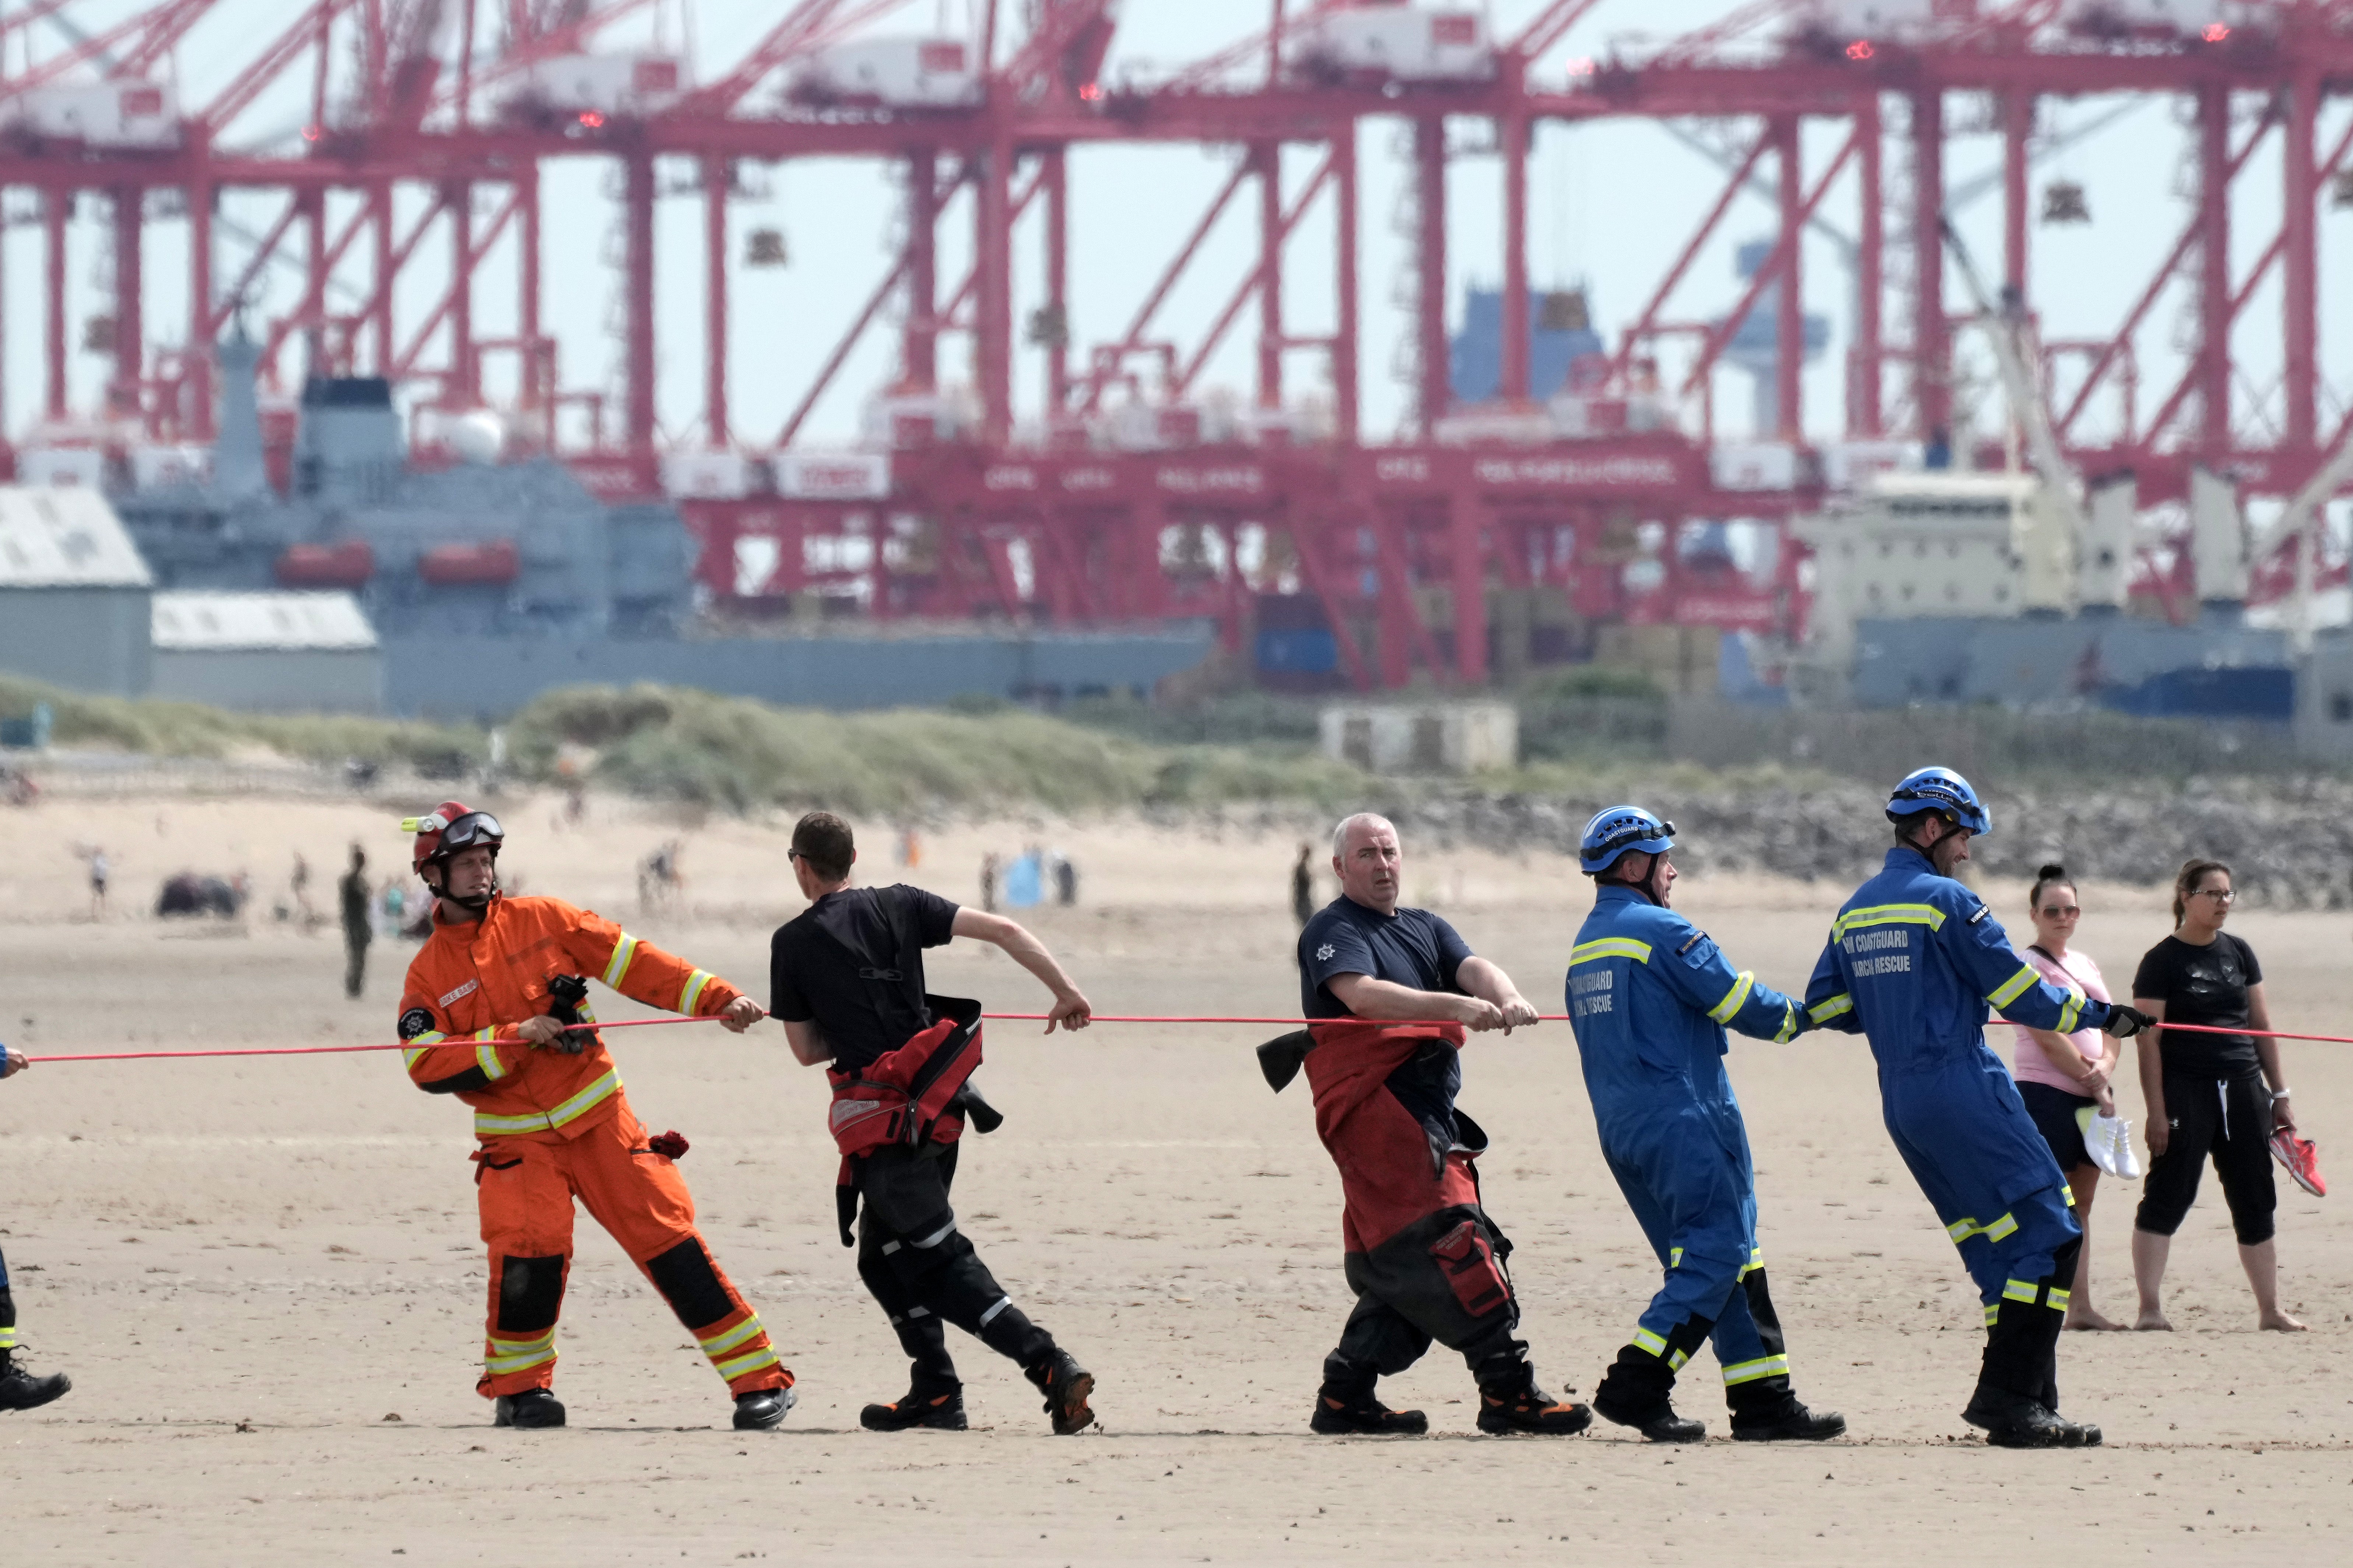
(1424, 1259)
(846, 981)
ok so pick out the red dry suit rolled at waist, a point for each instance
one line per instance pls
(1383, 1151)
(909, 1096)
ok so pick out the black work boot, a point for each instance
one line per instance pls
(1349, 1409)
(1791, 1423)
(1764, 1410)
(764, 1409)
(532, 1407)
(941, 1410)
(2013, 1421)
(1515, 1404)
(1635, 1393)
(20, 1390)
(1066, 1385)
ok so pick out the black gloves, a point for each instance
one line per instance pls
(2125, 1022)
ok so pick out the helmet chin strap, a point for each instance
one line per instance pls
(479, 901)
(1649, 886)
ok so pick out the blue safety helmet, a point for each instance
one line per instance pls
(1618, 831)
(1940, 790)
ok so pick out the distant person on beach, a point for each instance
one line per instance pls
(988, 882)
(353, 893)
(98, 872)
(301, 883)
(1302, 886)
(2065, 1079)
(2207, 1093)
(1066, 881)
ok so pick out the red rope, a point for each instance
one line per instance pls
(1003, 1018)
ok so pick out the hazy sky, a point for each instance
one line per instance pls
(1612, 204)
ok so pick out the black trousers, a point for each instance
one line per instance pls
(1438, 1280)
(354, 965)
(924, 1271)
(2230, 1119)
(7, 1315)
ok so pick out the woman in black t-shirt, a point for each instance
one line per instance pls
(2206, 1093)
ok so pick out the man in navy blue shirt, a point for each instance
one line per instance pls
(1392, 991)
(19, 1389)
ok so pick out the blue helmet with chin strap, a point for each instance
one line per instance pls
(1943, 791)
(1621, 830)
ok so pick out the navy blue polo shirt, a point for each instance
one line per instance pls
(1413, 948)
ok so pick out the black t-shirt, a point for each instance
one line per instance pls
(1413, 948)
(842, 963)
(2203, 986)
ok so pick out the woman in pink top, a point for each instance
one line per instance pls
(2063, 1078)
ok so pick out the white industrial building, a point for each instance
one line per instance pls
(73, 592)
(266, 652)
(1422, 738)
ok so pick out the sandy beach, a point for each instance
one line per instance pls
(263, 1276)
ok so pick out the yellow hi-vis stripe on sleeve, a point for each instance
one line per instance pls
(692, 992)
(1788, 1030)
(1824, 1011)
(617, 968)
(2071, 1013)
(1722, 1011)
(732, 1370)
(1741, 1372)
(2017, 985)
(1609, 947)
(1889, 915)
(572, 1109)
(727, 1340)
(487, 1057)
(418, 1046)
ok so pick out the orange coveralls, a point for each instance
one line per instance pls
(556, 1127)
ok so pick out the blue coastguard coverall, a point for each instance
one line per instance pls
(1915, 963)
(1650, 998)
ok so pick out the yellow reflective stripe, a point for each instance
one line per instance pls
(1824, 1011)
(571, 1109)
(519, 1355)
(419, 1044)
(2071, 1011)
(732, 1370)
(2006, 1225)
(2059, 1299)
(490, 1033)
(1751, 1371)
(1722, 1011)
(2017, 985)
(1609, 947)
(1674, 1258)
(719, 1343)
(487, 1057)
(1992, 1311)
(2017, 1290)
(1889, 915)
(1789, 1026)
(624, 951)
(1645, 1339)
(411, 1058)
(1756, 1261)
(2068, 1193)
(1675, 1361)
(8, 1337)
(1961, 1230)
(693, 992)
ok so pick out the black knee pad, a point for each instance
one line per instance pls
(690, 1284)
(531, 1291)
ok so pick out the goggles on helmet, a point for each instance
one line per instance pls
(474, 827)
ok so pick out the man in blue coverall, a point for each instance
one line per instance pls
(19, 1389)
(1915, 962)
(1650, 996)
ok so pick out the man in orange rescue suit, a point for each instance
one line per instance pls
(492, 1013)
